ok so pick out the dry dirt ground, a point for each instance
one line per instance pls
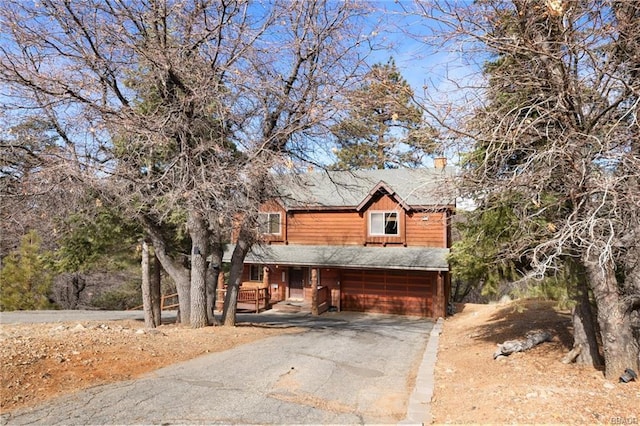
(526, 387)
(39, 361)
(42, 360)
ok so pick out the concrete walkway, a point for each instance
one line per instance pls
(347, 368)
(419, 408)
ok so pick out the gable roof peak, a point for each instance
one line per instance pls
(381, 188)
(354, 189)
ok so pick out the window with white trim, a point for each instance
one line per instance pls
(269, 223)
(383, 223)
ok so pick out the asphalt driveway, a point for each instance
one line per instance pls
(346, 368)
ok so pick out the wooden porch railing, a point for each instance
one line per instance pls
(259, 297)
(168, 302)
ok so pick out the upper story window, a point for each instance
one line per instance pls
(269, 223)
(383, 223)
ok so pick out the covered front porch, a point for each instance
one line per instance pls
(398, 280)
(285, 289)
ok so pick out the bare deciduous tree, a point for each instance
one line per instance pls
(178, 111)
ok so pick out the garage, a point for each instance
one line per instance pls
(389, 291)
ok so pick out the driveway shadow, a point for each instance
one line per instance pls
(339, 321)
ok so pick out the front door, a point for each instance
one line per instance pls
(296, 277)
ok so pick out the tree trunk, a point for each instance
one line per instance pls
(215, 269)
(619, 346)
(243, 245)
(213, 272)
(180, 275)
(156, 290)
(79, 284)
(584, 330)
(199, 251)
(149, 321)
(632, 287)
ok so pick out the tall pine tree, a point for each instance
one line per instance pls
(25, 277)
(383, 127)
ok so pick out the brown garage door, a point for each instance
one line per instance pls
(391, 292)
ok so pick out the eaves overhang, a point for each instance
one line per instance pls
(352, 257)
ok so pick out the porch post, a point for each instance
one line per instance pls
(220, 292)
(314, 292)
(438, 309)
(266, 283)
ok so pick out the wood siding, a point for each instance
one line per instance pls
(324, 228)
(426, 229)
(392, 292)
(329, 277)
(416, 229)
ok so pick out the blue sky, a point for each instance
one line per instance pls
(433, 70)
(426, 68)
(411, 41)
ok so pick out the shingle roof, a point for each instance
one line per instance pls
(339, 189)
(359, 257)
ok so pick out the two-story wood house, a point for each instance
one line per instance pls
(377, 240)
